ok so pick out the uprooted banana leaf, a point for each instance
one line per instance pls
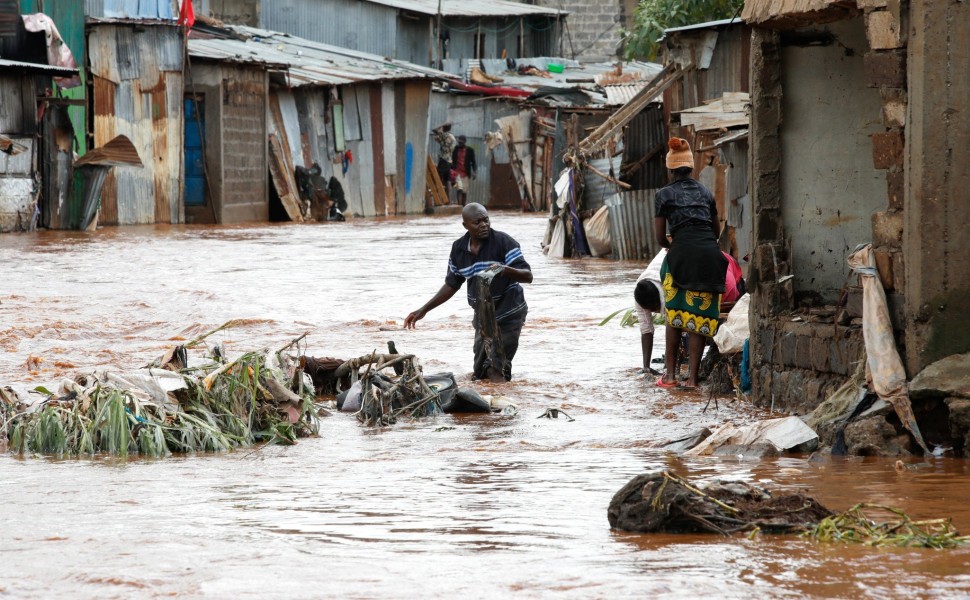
(170, 408)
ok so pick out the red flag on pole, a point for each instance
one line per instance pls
(187, 15)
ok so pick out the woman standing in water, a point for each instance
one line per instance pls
(692, 275)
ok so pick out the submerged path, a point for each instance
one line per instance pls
(476, 505)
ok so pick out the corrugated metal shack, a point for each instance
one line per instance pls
(136, 76)
(409, 29)
(581, 97)
(24, 147)
(362, 118)
(708, 106)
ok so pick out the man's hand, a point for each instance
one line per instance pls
(413, 318)
(496, 267)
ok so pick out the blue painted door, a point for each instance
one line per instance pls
(194, 147)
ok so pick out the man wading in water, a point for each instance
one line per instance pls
(483, 250)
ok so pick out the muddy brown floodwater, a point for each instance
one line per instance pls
(479, 506)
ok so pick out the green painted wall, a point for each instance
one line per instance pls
(68, 15)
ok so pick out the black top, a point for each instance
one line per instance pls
(498, 248)
(686, 202)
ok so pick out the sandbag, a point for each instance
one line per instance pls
(735, 329)
(598, 232)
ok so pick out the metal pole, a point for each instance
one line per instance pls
(440, 57)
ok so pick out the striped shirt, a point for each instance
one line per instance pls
(498, 248)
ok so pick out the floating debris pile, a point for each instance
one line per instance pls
(856, 526)
(380, 397)
(663, 502)
(168, 407)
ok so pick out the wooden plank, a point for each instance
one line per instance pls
(595, 141)
(435, 188)
(285, 186)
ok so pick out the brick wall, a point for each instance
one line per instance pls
(244, 140)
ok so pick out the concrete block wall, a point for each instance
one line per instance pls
(592, 28)
(798, 364)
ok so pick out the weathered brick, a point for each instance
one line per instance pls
(899, 272)
(853, 304)
(769, 225)
(870, 4)
(886, 68)
(884, 264)
(887, 229)
(896, 182)
(887, 149)
(788, 344)
(766, 338)
(820, 355)
(883, 30)
(803, 352)
(893, 107)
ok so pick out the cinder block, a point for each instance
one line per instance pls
(887, 149)
(886, 68)
(896, 181)
(887, 229)
(883, 30)
(884, 264)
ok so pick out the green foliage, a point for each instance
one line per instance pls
(630, 319)
(652, 17)
(232, 409)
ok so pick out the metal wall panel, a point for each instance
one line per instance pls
(20, 165)
(646, 131)
(416, 127)
(388, 116)
(631, 225)
(335, 22)
(596, 189)
(474, 118)
(17, 113)
(136, 9)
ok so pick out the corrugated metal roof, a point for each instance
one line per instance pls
(307, 62)
(16, 65)
(592, 78)
(119, 152)
(137, 9)
(470, 8)
(706, 25)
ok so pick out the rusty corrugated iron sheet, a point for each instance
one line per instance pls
(307, 62)
(716, 58)
(631, 225)
(795, 13)
(119, 152)
(135, 96)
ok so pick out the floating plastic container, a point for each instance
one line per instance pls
(555, 68)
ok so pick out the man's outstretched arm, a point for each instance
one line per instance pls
(443, 295)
